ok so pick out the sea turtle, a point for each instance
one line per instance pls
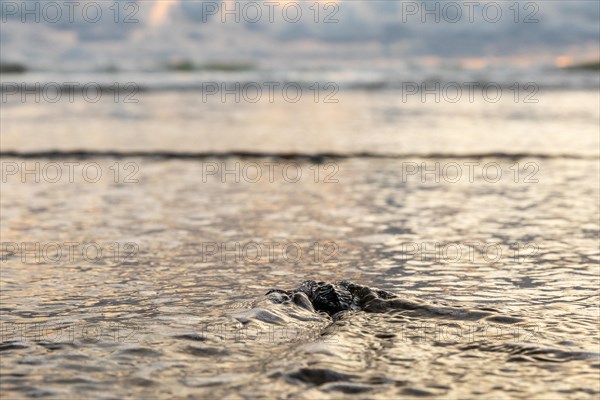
(330, 298)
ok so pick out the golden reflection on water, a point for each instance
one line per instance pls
(380, 121)
(166, 320)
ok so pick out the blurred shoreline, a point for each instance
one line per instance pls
(195, 79)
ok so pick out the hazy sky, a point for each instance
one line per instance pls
(145, 33)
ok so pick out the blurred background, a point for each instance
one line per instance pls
(312, 76)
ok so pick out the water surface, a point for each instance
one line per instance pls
(484, 214)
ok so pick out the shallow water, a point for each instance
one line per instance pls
(544, 122)
(169, 316)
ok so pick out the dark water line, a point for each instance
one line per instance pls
(210, 84)
(313, 157)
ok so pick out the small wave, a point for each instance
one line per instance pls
(300, 156)
(215, 84)
(519, 352)
(342, 300)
